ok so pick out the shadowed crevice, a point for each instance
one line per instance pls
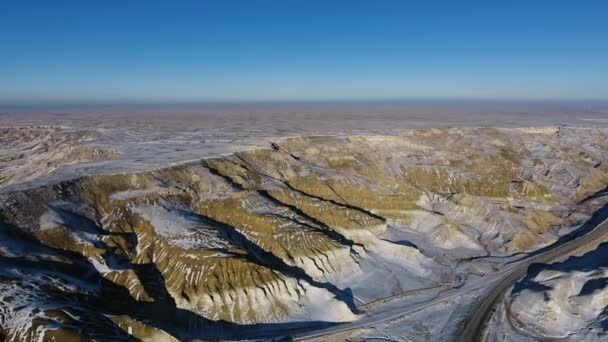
(328, 231)
(261, 257)
(105, 298)
(251, 168)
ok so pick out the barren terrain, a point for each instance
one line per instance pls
(232, 226)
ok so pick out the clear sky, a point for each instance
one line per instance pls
(302, 50)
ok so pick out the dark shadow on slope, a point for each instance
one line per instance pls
(259, 256)
(527, 283)
(593, 285)
(328, 231)
(84, 224)
(405, 243)
(604, 320)
(235, 186)
(587, 262)
(37, 275)
(596, 195)
(112, 299)
(339, 204)
(332, 234)
(596, 219)
(77, 222)
(271, 261)
(345, 204)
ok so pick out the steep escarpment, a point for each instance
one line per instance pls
(307, 230)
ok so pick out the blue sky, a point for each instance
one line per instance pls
(95, 51)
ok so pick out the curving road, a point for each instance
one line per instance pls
(473, 327)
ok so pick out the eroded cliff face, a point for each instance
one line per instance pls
(304, 231)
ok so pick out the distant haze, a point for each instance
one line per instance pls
(315, 116)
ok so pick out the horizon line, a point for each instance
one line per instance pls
(54, 103)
